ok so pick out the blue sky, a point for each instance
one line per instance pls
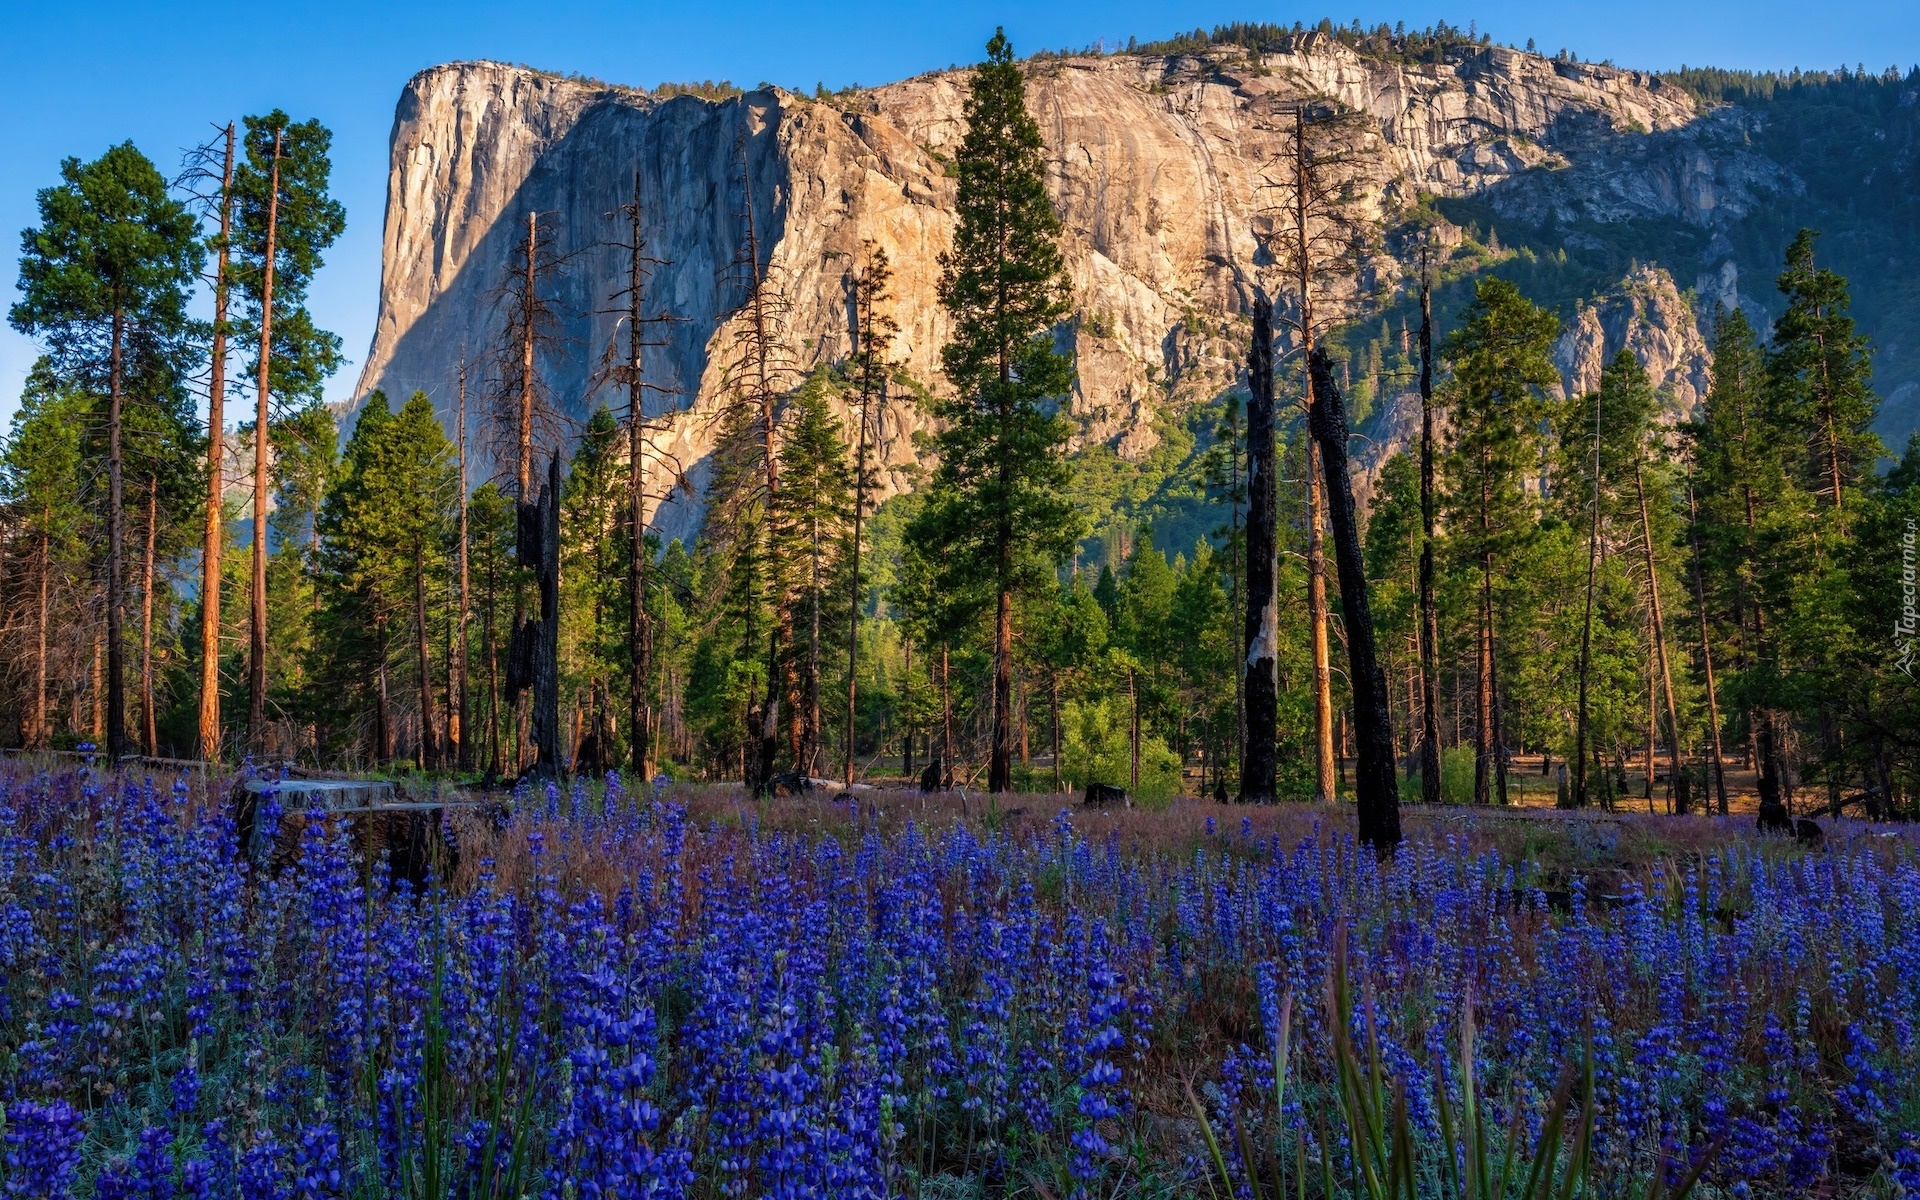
(76, 77)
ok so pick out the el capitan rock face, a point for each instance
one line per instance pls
(1157, 169)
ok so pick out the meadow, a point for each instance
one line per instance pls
(663, 992)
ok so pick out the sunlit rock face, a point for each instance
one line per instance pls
(1160, 167)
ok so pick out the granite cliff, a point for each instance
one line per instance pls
(1157, 169)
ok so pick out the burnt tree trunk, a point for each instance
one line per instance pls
(1375, 783)
(1259, 765)
(533, 655)
(1429, 618)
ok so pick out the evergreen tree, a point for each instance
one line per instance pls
(285, 223)
(105, 276)
(1502, 363)
(305, 457)
(1821, 378)
(386, 528)
(47, 547)
(490, 534)
(1740, 476)
(812, 550)
(997, 517)
(593, 574)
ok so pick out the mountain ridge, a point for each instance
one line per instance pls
(1157, 164)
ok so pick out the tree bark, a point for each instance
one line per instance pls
(1058, 786)
(1259, 766)
(257, 645)
(491, 649)
(382, 711)
(1133, 734)
(1324, 763)
(97, 692)
(1674, 783)
(150, 740)
(213, 541)
(1376, 783)
(1586, 626)
(639, 621)
(946, 718)
(38, 735)
(116, 712)
(1429, 616)
(533, 658)
(1706, 652)
(459, 727)
(429, 751)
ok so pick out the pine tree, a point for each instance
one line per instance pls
(812, 547)
(870, 367)
(1502, 365)
(40, 484)
(105, 275)
(997, 516)
(211, 174)
(286, 222)
(385, 531)
(593, 575)
(1740, 472)
(1821, 378)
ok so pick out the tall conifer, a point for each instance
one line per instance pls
(997, 515)
(103, 279)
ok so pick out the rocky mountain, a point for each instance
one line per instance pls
(1159, 167)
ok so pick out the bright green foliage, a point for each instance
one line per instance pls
(1097, 747)
(491, 566)
(384, 530)
(813, 550)
(51, 551)
(1502, 371)
(306, 222)
(593, 576)
(305, 457)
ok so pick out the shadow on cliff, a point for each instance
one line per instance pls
(685, 150)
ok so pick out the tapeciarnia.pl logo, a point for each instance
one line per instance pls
(1909, 622)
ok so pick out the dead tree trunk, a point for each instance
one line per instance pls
(639, 621)
(213, 540)
(257, 644)
(1376, 784)
(1324, 763)
(1429, 616)
(1058, 786)
(1259, 765)
(533, 658)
